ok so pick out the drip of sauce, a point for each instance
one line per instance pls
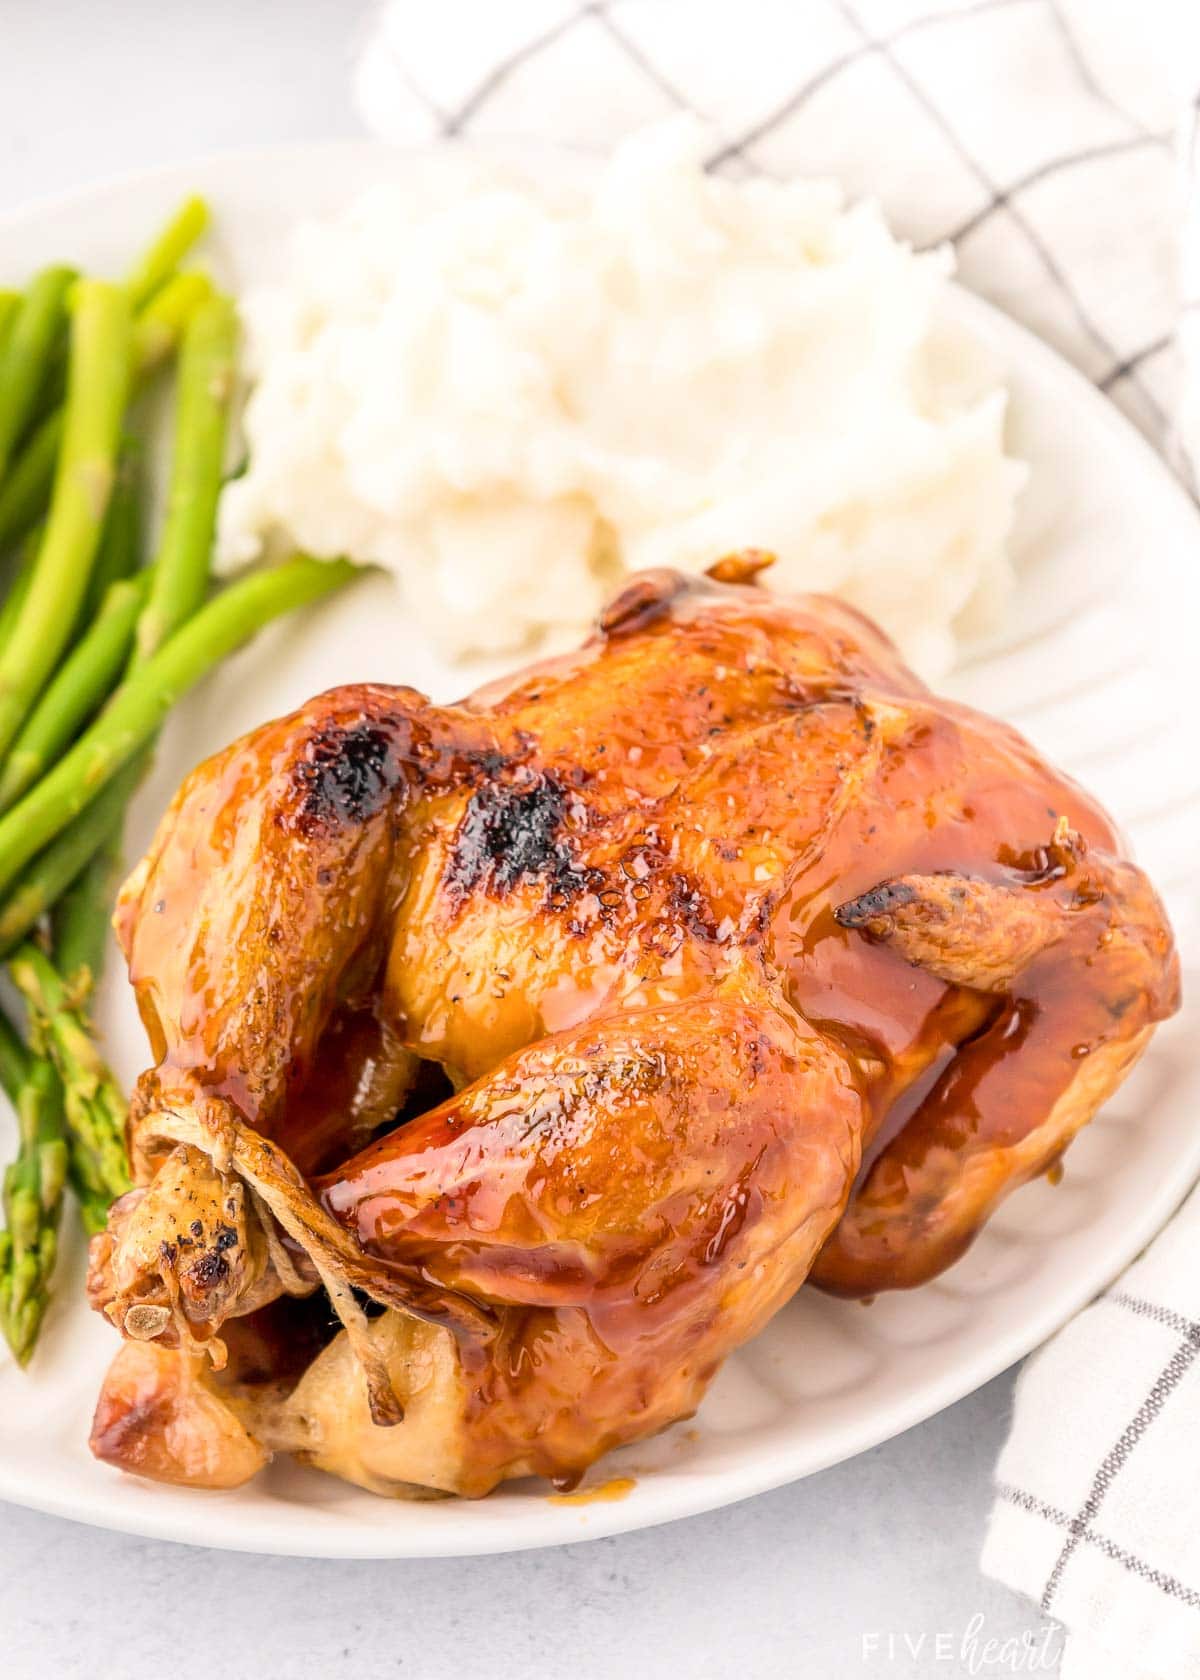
(604, 1493)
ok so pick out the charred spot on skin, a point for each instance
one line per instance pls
(687, 904)
(208, 1269)
(872, 911)
(346, 775)
(513, 832)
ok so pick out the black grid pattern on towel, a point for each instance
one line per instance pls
(1081, 1529)
(1118, 367)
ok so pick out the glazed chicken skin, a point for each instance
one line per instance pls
(745, 959)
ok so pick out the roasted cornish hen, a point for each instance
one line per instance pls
(740, 958)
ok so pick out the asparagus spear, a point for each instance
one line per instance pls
(94, 1107)
(206, 374)
(120, 550)
(133, 715)
(14, 1060)
(97, 388)
(32, 1196)
(81, 908)
(91, 1193)
(28, 345)
(82, 913)
(80, 934)
(60, 865)
(17, 1067)
(205, 386)
(159, 326)
(163, 301)
(79, 687)
(26, 490)
(25, 493)
(81, 918)
(9, 303)
(81, 863)
(18, 588)
(158, 264)
(93, 1204)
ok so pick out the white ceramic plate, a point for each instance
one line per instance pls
(1097, 665)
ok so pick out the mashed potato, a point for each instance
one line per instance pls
(508, 396)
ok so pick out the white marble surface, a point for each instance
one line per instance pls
(867, 1569)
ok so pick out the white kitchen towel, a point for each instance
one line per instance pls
(1042, 139)
(1055, 145)
(1098, 1490)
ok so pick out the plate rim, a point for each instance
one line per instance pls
(715, 1488)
